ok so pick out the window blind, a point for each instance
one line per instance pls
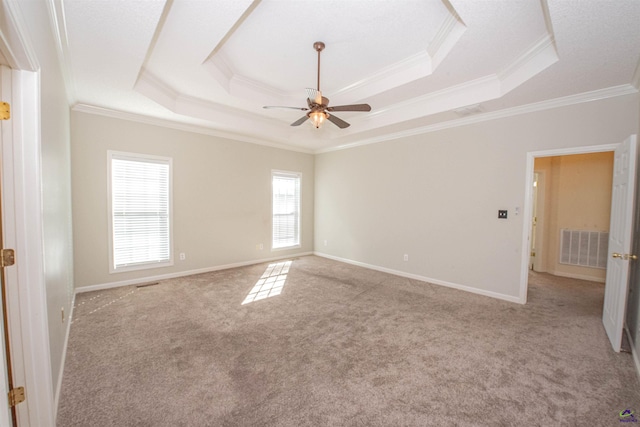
(286, 209)
(140, 205)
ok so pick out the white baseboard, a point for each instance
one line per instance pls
(56, 396)
(577, 276)
(147, 279)
(483, 292)
(634, 353)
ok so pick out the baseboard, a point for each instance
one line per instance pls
(634, 353)
(56, 396)
(103, 286)
(424, 279)
(577, 276)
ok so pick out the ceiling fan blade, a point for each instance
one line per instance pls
(354, 107)
(291, 108)
(300, 121)
(338, 122)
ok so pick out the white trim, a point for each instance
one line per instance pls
(470, 289)
(102, 286)
(595, 95)
(59, 29)
(577, 276)
(56, 396)
(634, 353)
(29, 330)
(446, 38)
(8, 237)
(139, 118)
(35, 348)
(528, 202)
(15, 46)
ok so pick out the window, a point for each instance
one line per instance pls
(286, 209)
(140, 211)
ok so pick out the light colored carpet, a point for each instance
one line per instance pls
(341, 346)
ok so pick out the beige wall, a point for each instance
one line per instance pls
(221, 196)
(577, 195)
(56, 188)
(435, 196)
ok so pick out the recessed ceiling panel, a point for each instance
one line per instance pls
(273, 46)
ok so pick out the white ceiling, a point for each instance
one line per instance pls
(210, 65)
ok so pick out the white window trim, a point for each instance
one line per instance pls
(138, 157)
(299, 176)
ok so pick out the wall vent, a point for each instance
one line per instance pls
(584, 248)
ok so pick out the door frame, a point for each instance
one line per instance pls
(528, 203)
(538, 265)
(23, 220)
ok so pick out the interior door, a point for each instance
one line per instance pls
(7, 414)
(620, 237)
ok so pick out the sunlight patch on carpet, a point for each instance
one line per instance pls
(271, 282)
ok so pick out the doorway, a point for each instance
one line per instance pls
(528, 203)
(571, 206)
(619, 239)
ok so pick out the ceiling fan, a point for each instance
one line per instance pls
(318, 106)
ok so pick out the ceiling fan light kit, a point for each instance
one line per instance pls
(318, 105)
(317, 118)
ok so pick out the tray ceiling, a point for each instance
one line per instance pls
(210, 66)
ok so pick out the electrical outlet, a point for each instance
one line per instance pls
(502, 214)
(183, 256)
(259, 246)
(325, 243)
(406, 257)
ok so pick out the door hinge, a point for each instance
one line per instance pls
(16, 396)
(7, 257)
(5, 111)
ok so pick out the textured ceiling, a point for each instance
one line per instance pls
(211, 65)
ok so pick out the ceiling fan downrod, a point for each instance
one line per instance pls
(319, 47)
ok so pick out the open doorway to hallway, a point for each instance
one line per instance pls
(619, 254)
(571, 215)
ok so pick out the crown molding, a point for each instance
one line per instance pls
(14, 41)
(541, 55)
(596, 95)
(59, 28)
(407, 70)
(581, 98)
(446, 38)
(534, 60)
(156, 89)
(166, 123)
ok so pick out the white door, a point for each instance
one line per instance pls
(5, 411)
(620, 236)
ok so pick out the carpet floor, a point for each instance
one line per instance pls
(316, 342)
